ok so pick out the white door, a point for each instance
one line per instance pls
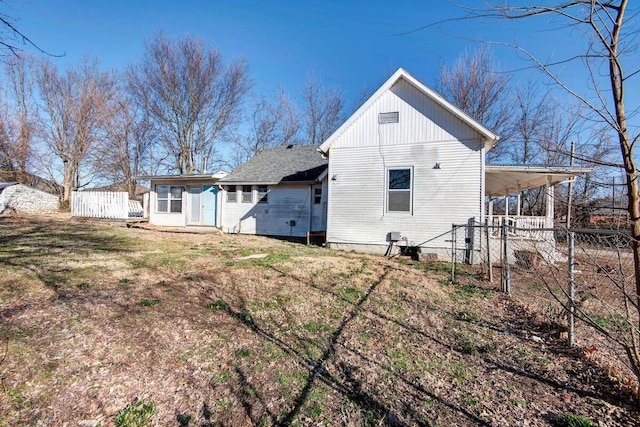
(194, 206)
(318, 209)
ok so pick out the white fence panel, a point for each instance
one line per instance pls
(100, 204)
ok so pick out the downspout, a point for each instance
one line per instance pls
(310, 210)
(219, 196)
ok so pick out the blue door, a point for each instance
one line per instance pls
(209, 205)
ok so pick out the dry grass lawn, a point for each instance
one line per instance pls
(104, 325)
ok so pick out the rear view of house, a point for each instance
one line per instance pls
(404, 167)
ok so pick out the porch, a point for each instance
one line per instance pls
(502, 182)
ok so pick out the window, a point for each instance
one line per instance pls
(317, 196)
(232, 195)
(262, 193)
(399, 190)
(246, 194)
(169, 198)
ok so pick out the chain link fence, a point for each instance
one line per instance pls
(583, 274)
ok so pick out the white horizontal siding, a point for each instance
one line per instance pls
(285, 203)
(357, 191)
(175, 219)
(420, 119)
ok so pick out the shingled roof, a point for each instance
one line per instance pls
(274, 165)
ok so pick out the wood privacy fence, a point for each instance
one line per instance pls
(100, 204)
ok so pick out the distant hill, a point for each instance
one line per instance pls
(31, 180)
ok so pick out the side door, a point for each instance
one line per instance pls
(209, 205)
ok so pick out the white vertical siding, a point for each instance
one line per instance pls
(420, 120)
(285, 203)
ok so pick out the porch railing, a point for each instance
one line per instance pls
(526, 227)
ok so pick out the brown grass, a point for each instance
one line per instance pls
(94, 317)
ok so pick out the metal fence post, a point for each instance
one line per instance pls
(490, 267)
(453, 253)
(506, 277)
(572, 289)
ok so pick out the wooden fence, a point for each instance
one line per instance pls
(100, 204)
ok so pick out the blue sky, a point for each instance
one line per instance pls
(347, 43)
(351, 44)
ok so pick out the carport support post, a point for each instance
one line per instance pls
(572, 290)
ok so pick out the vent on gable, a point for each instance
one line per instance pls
(391, 117)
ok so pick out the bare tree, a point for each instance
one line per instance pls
(18, 118)
(193, 97)
(13, 40)
(476, 85)
(75, 106)
(125, 143)
(606, 51)
(269, 124)
(322, 108)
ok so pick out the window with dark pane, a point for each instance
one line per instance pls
(246, 194)
(232, 193)
(262, 193)
(399, 190)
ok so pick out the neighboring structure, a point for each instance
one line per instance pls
(282, 191)
(22, 198)
(184, 200)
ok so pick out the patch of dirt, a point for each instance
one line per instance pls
(94, 317)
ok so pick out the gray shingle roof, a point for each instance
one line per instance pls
(297, 163)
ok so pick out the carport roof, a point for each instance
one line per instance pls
(501, 180)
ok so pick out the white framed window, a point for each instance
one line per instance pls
(247, 194)
(263, 193)
(317, 195)
(169, 198)
(232, 193)
(399, 189)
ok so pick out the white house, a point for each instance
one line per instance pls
(408, 164)
(281, 191)
(184, 200)
(404, 168)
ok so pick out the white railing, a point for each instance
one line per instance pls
(526, 227)
(100, 204)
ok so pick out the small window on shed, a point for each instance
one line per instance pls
(247, 194)
(232, 193)
(317, 196)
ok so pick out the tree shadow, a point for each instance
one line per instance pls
(348, 386)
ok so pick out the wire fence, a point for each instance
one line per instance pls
(566, 274)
